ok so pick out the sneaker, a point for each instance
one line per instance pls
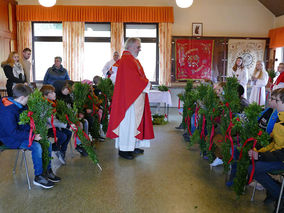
(52, 177)
(60, 157)
(216, 162)
(81, 150)
(258, 187)
(41, 181)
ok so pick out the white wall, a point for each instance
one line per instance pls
(219, 17)
(279, 22)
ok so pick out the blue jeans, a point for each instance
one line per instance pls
(64, 135)
(36, 155)
(260, 174)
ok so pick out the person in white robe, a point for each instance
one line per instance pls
(241, 73)
(259, 81)
(107, 68)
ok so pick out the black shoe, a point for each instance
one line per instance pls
(81, 150)
(43, 182)
(126, 155)
(52, 177)
(138, 151)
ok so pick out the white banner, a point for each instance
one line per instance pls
(251, 50)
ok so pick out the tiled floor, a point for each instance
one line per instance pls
(168, 178)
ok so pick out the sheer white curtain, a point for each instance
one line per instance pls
(73, 49)
(165, 32)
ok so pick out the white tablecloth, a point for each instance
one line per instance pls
(156, 96)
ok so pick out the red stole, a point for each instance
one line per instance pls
(280, 79)
(130, 83)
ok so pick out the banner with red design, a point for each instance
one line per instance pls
(193, 59)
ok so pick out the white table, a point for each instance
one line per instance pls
(156, 96)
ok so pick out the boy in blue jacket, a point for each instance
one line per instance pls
(16, 136)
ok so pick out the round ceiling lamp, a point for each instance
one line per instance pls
(184, 3)
(47, 3)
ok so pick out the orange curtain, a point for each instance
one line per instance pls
(117, 39)
(276, 37)
(73, 49)
(95, 14)
(24, 39)
(165, 32)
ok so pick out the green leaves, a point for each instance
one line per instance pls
(42, 110)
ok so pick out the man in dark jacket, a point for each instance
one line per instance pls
(16, 136)
(56, 72)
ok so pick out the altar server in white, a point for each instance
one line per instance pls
(241, 73)
(259, 80)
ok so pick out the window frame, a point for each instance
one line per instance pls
(97, 39)
(44, 39)
(148, 40)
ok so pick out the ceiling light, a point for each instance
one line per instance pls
(47, 3)
(184, 3)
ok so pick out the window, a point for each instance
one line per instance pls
(47, 44)
(97, 49)
(279, 57)
(149, 55)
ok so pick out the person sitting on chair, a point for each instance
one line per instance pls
(271, 157)
(16, 136)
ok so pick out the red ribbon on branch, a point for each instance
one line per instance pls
(94, 107)
(211, 135)
(74, 130)
(202, 135)
(53, 128)
(188, 121)
(32, 127)
(252, 160)
(228, 133)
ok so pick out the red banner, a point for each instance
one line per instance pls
(193, 59)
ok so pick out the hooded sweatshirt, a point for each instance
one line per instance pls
(11, 133)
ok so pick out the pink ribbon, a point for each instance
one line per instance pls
(228, 133)
(196, 115)
(212, 134)
(202, 135)
(74, 130)
(32, 127)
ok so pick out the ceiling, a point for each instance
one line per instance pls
(275, 6)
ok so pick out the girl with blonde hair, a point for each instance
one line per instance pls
(241, 73)
(14, 71)
(259, 80)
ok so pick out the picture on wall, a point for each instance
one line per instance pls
(193, 59)
(197, 29)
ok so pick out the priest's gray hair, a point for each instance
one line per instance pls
(130, 41)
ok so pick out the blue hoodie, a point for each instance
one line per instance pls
(11, 133)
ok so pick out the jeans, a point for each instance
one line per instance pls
(63, 137)
(36, 155)
(260, 174)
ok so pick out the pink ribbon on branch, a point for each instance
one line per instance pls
(32, 128)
